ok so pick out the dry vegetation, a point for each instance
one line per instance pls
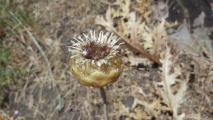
(168, 72)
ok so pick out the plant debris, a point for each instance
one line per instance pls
(36, 82)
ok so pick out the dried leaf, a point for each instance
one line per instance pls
(168, 80)
(107, 21)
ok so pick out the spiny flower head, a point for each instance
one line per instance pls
(95, 60)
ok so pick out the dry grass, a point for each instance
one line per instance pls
(45, 89)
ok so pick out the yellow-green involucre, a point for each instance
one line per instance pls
(94, 58)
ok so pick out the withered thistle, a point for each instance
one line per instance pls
(95, 60)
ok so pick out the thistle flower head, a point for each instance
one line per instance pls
(95, 60)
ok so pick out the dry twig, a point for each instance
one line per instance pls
(136, 46)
